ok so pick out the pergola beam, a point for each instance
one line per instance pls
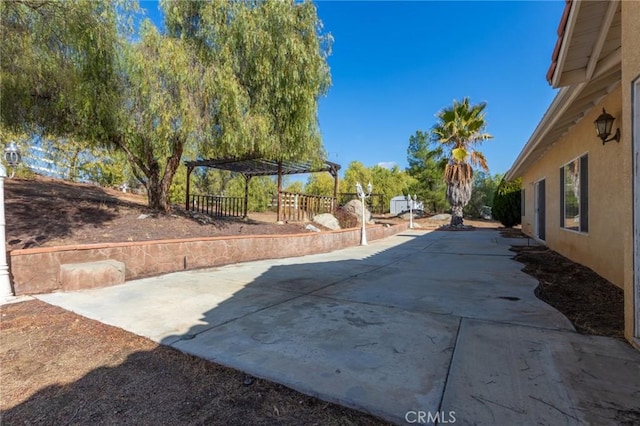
(264, 167)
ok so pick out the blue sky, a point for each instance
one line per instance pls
(394, 65)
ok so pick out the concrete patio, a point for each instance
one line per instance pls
(414, 328)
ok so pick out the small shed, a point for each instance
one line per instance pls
(400, 204)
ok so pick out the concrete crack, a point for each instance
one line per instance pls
(554, 407)
(483, 400)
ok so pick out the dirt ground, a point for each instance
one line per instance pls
(61, 368)
(590, 302)
(46, 212)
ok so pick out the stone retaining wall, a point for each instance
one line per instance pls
(36, 270)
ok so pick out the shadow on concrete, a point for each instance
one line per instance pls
(166, 387)
(378, 328)
(374, 331)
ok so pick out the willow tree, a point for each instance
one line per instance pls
(172, 101)
(278, 54)
(460, 128)
(58, 68)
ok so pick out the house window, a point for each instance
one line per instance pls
(574, 195)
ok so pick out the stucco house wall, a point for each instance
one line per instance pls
(595, 63)
(630, 71)
(601, 248)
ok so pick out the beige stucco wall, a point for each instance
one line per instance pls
(602, 248)
(630, 71)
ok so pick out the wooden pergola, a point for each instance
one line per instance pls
(249, 167)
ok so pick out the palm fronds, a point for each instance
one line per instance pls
(458, 173)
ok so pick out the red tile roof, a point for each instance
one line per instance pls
(561, 29)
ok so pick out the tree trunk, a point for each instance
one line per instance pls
(456, 215)
(458, 195)
(158, 189)
(157, 198)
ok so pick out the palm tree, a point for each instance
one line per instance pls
(460, 128)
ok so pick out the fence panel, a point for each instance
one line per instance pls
(301, 207)
(217, 205)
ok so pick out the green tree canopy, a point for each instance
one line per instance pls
(278, 55)
(426, 166)
(320, 184)
(262, 191)
(356, 172)
(296, 187)
(390, 183)
(172, 102)
(59, 68)
(230, 79)
(484, 188)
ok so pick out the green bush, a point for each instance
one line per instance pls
(506, 203)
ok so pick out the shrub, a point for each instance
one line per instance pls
(506, 203)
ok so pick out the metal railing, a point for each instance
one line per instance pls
(217, 205)
(301, 207)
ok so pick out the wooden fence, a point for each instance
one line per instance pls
(301, 207)
(216, 205)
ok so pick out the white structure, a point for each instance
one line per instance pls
(363, 196)
(400, 204)
(12, 157)
(5, 283)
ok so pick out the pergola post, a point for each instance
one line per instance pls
(247, 179)
(279, 205)
(187, 203)
(334, 173)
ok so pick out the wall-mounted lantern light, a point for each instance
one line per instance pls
(604, 124)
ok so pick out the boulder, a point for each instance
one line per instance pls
(416, 214)
(443, 216)
(310, 227)
(327, 220)
(354, 208)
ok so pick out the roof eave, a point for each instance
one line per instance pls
(560, 103)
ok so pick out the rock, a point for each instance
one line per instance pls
(354, 208)
(310, 227)
(327, 220)
(443, 216)
(202, 219)
(416, 214)
(143, 216)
